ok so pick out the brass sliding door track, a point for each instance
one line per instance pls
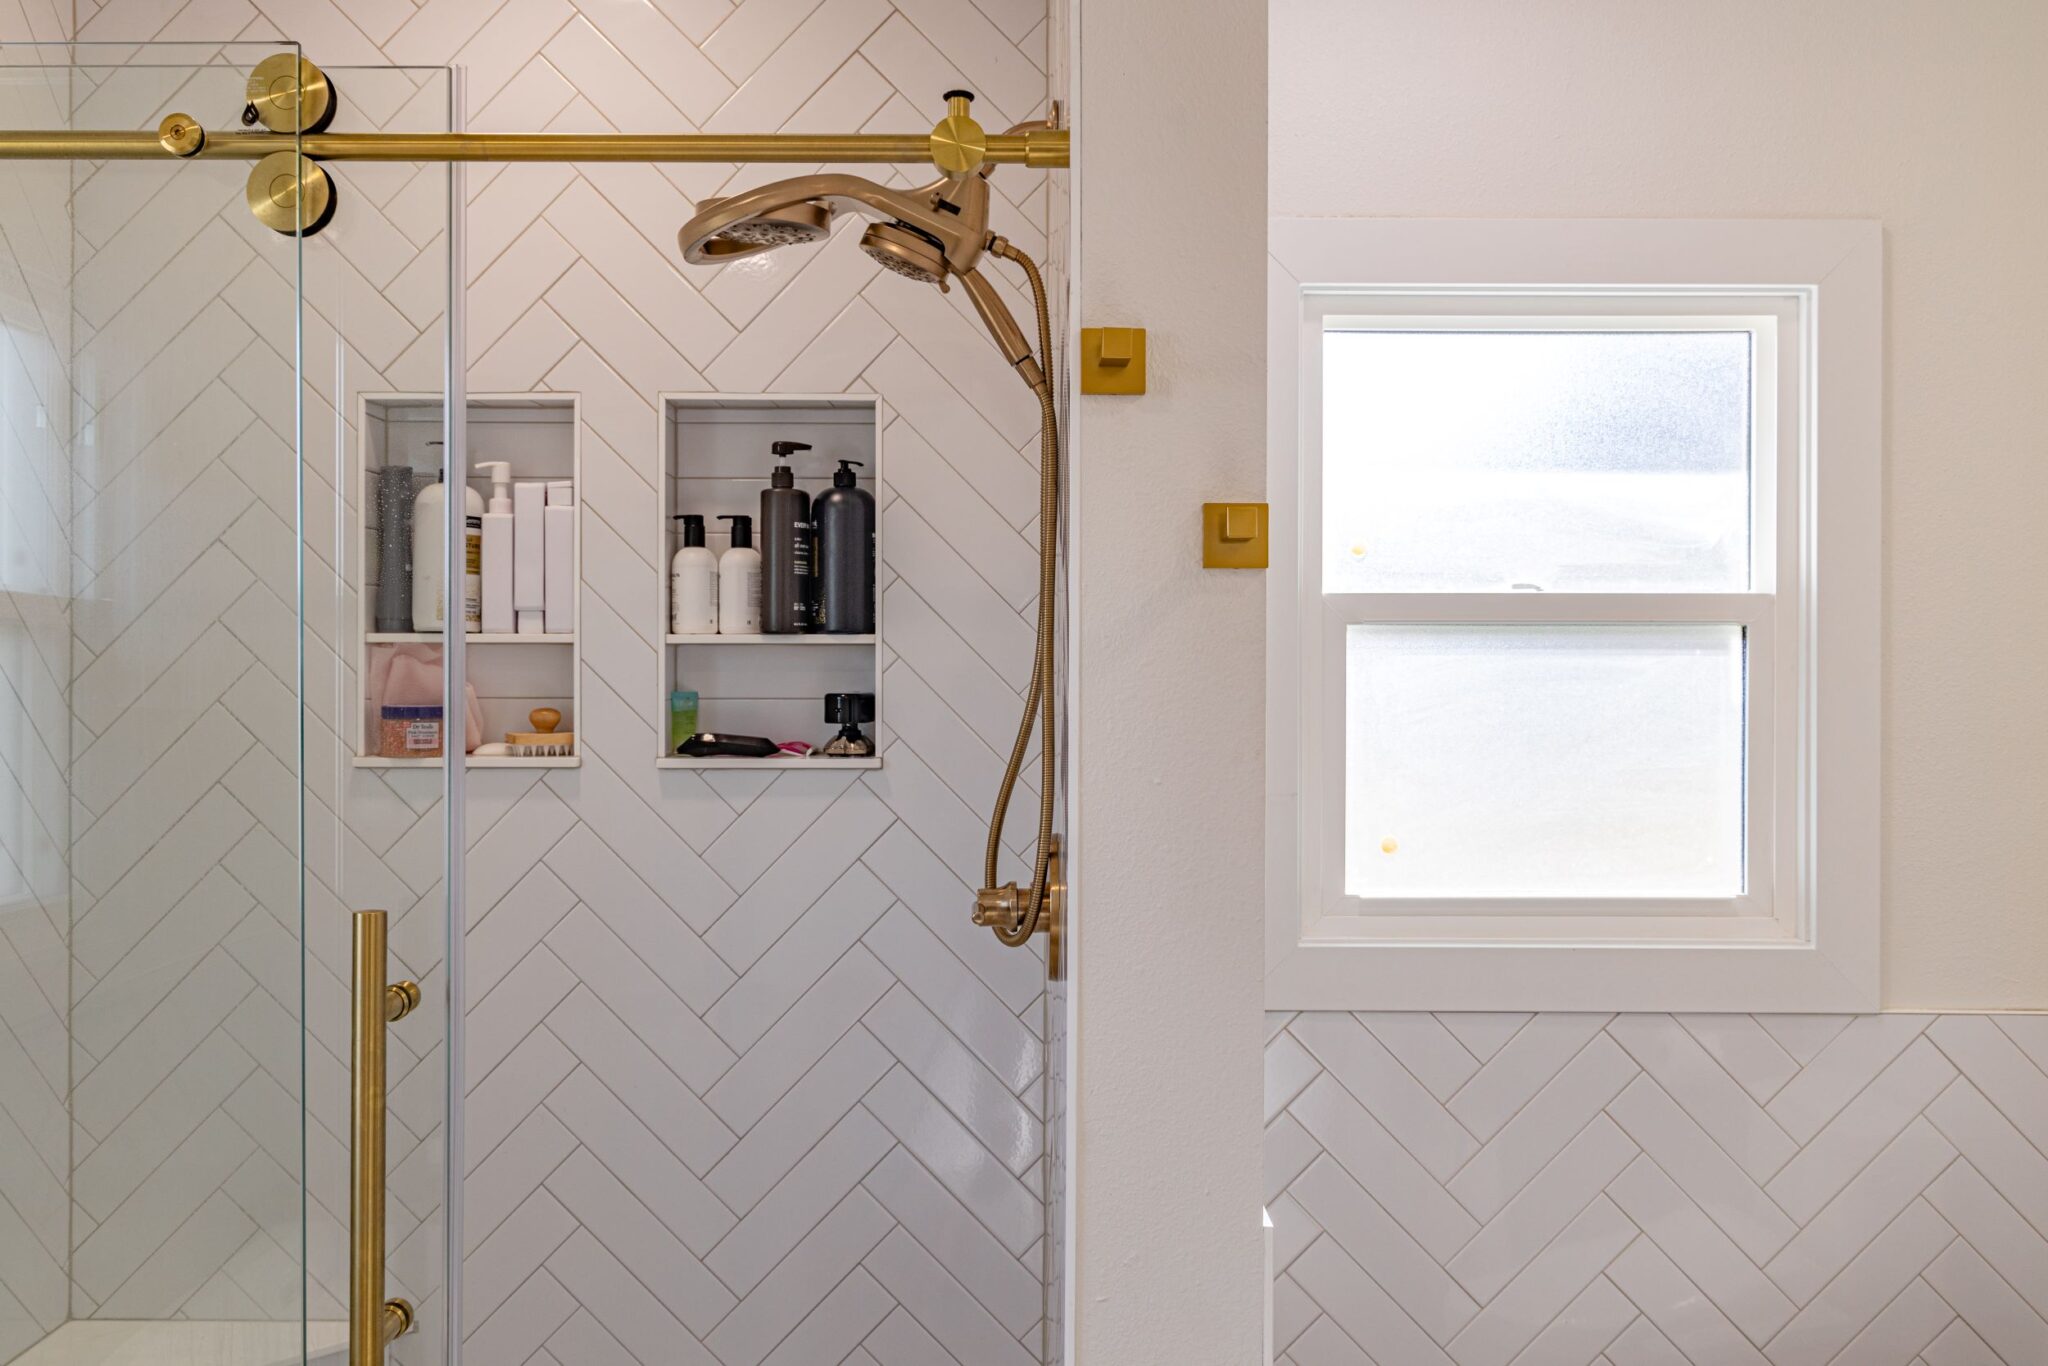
(373, 1320)
(295, 101)
(1045, 147)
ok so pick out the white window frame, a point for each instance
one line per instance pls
(1804, 933)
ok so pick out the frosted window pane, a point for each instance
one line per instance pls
(1502, 761)
(1573, 461)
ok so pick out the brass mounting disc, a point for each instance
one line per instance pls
(290, 94)
(958, 143)
(279, 182)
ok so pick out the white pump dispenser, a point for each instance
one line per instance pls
(693, 583)
(739, 580)
(498, 618)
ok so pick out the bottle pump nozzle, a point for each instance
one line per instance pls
(782, 477)
(843, 477)
(499, 472)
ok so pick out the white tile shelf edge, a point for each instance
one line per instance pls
(476, 761)
(679, 761)
(813, 639)
(468, 637)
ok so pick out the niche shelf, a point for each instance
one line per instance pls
(540, 435)
(715, 460)
(675, 639)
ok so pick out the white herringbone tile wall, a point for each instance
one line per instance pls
(1632, 1190)
(744, 1085)
(35, 739)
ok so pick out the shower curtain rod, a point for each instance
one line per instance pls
(1046, 148)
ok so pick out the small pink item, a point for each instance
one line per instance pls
(411, 676)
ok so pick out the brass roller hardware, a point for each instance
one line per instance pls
(277, 186)
(378, 1002)
(288, 94)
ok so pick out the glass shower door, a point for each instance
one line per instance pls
(376, 400)
(185, 835)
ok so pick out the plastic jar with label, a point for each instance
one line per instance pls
(410, 733)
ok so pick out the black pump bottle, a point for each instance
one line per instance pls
(788, 604)
(845, 519)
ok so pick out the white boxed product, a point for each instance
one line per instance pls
(561, 567)
(529, 564)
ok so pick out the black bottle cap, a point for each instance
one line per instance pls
(693, 528)
(842, 478)
(742, 529)
(849, 708)
(783, 449)
(958, 94)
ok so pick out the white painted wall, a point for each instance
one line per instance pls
(1924, 116)
(1170, 670)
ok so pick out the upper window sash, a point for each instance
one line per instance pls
(1773, 322)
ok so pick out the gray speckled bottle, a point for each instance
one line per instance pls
(394, 548)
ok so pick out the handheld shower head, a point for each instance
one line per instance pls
(906, 251)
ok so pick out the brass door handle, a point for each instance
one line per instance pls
(378, 1002)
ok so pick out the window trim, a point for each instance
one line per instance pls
(1810, 941)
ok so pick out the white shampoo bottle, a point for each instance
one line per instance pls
(693, 583)
(497, 612)
(739, 580)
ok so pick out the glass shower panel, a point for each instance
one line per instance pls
(36, 575)
(183, 832)
(184, 930)
(166, 678)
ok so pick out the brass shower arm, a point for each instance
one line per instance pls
(1044, 148)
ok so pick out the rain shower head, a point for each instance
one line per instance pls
(785, 227)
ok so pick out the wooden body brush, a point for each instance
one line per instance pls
(543, 740)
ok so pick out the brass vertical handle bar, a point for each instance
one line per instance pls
(373, 1321)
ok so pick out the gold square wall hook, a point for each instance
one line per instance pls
(1234, 536)
(1112, 360)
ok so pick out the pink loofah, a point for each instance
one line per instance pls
(410, 676)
